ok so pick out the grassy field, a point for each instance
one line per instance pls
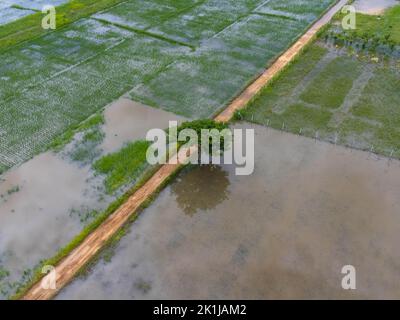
(330, 94)
(200, 83)
(386, 27)
(189, 57)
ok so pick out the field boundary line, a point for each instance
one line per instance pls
(353, 96)
(92, 244)
(238, 20)
(146, 33)
(319, 67)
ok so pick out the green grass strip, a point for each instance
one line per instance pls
(122, 166)
(65, 251)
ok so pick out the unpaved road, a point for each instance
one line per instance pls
(79, 257)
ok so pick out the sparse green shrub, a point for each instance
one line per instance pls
(124, 166)
(13, 190)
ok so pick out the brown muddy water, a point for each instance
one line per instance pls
(127, 120)
(46, 201)
(374, 7)
(284, 232)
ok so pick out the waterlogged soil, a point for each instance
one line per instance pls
(46, 201)
(374, 7)
(283, 232)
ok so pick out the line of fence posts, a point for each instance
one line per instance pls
(335, 141)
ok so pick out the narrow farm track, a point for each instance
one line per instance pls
(80, 256)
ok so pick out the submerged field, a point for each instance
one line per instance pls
(188, 57)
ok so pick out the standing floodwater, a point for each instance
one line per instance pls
(374, 6)
(45, 202)
(284, 232)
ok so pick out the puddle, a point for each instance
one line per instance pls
(284, 232)
(127, 120)
(46, 201)
(35, 215)
(374, 7)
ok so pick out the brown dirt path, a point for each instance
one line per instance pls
(80, 256)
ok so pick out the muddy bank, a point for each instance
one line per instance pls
(374, 7)
(46, 201)
(284, 232)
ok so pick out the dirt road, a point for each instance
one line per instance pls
(68, 268)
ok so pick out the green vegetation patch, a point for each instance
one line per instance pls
(83, 68)
(284, 84)
(33, 276)
(361, 135)
(94, 121)
(199, 84)
(134, 60)
(331, 86)
(385, 27)
(373, 32)
(380, 99)
(299, 9)
(82, 40)
(145, 14)
(295, 118)
(124, 166)
(205, 19)
(21, 69)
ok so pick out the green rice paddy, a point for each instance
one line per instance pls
(189, 57)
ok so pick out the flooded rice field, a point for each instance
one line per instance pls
(88, 63)
(374, 7)
(284, 232)
(46, 201)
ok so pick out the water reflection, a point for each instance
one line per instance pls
(284, 233)
(203, 188)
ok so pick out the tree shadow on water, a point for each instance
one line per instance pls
(201, 189)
